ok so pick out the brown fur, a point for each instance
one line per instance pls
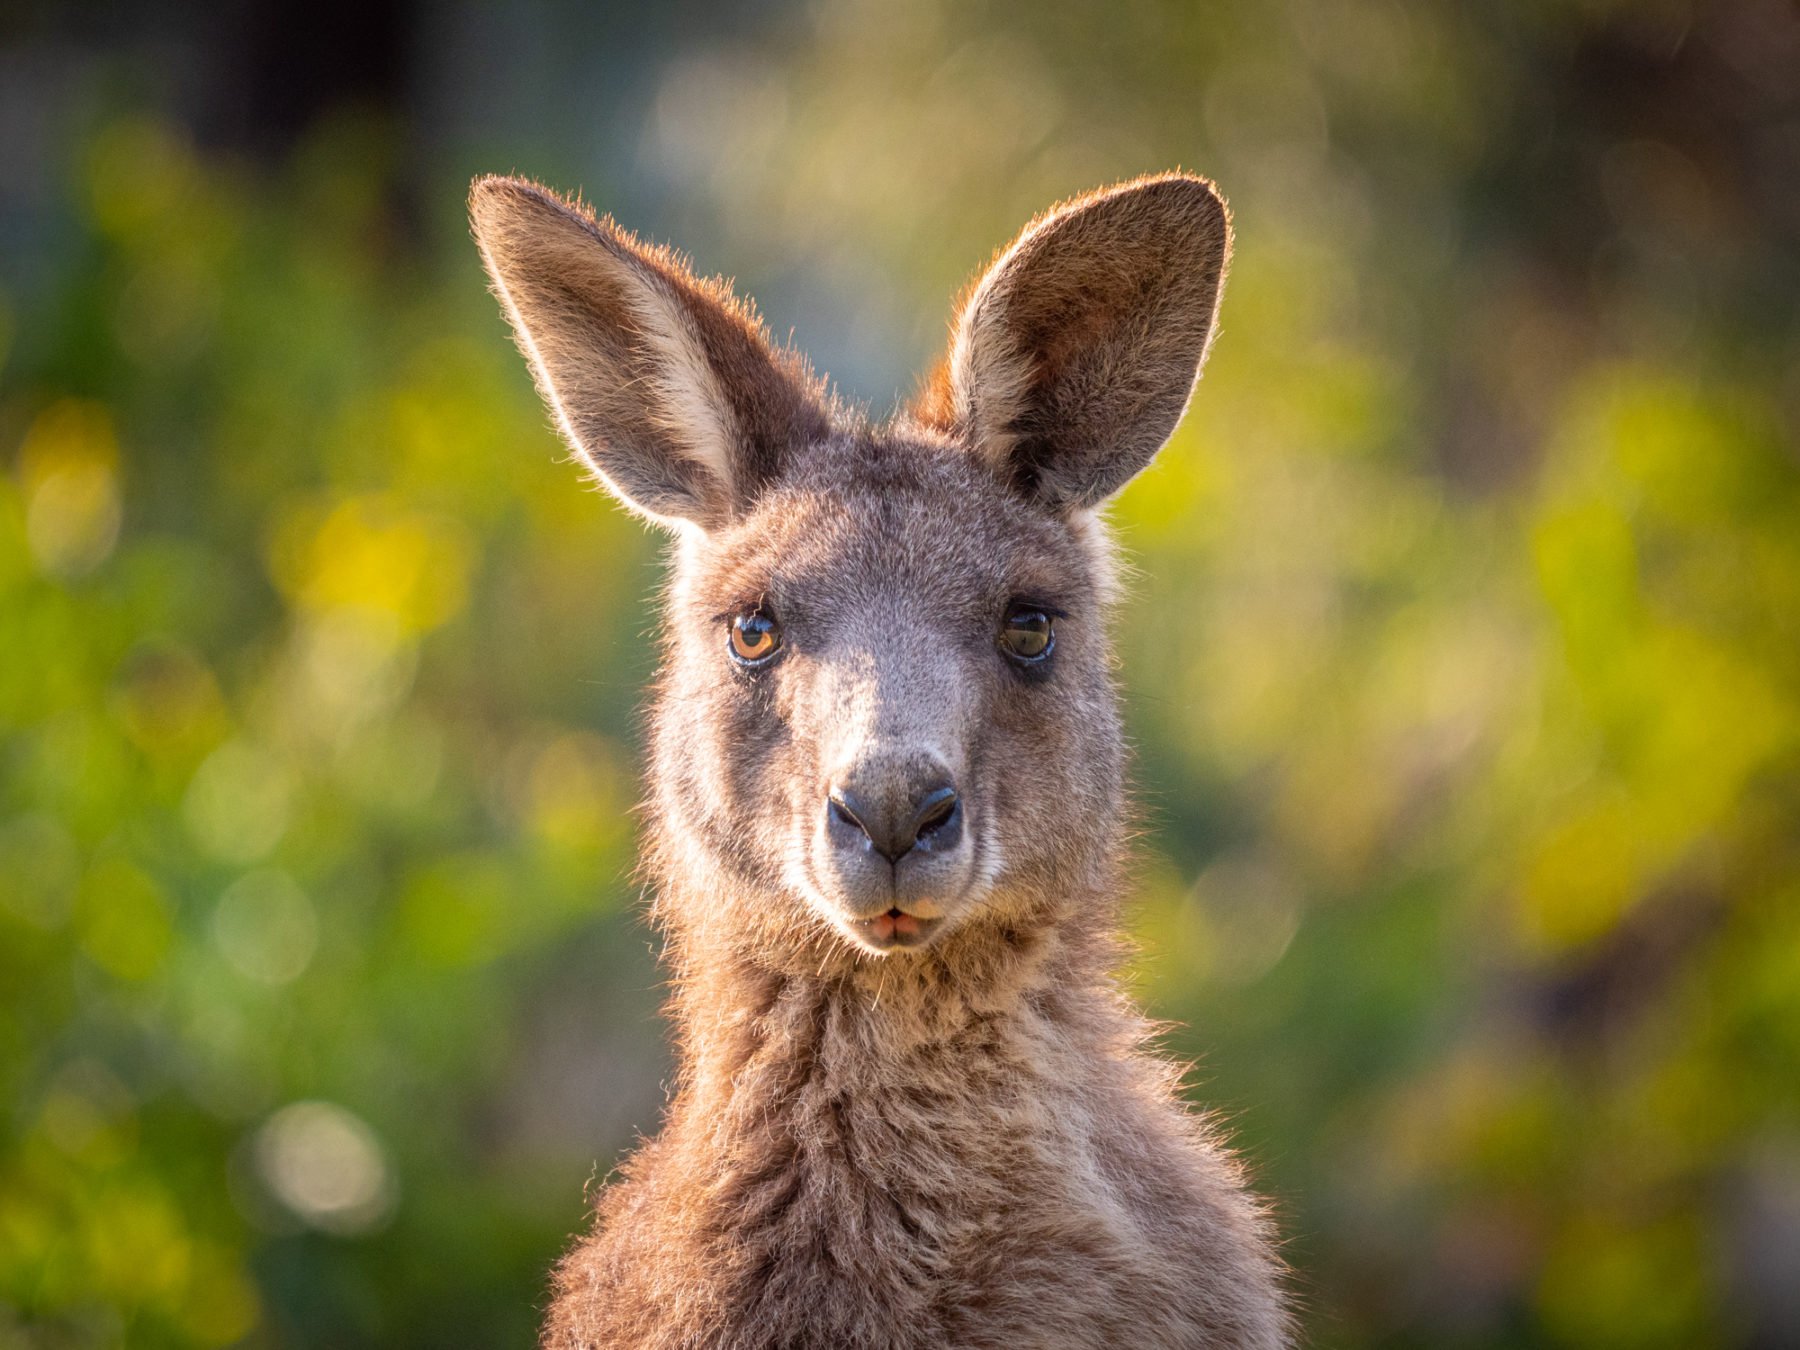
(966, 1142)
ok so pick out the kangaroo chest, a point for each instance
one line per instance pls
(934, 1213)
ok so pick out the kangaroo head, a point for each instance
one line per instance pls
(885, 718)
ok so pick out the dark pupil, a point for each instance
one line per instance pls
(753, 631)
(1028, 634)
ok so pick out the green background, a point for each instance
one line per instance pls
(1462, 655)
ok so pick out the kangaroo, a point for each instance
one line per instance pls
(887, 817)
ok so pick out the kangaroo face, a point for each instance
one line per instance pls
(885, 716)
(892, 678)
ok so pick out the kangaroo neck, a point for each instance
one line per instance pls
(749, 1035)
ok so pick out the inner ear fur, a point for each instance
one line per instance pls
(665, 385)
(1074, 355)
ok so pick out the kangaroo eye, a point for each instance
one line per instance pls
(1027, 634)
(755, 637)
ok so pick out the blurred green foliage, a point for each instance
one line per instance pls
(1463, 658)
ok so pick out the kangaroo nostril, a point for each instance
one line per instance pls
(937, 824)
(893, 827)
(843, 813)
(935, 808)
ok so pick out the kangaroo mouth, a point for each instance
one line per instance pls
(896, 928)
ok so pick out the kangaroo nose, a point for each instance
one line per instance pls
(930, 821)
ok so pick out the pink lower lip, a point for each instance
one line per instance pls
(895, 923)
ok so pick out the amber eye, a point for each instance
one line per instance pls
(1028, 633)
(755, 637)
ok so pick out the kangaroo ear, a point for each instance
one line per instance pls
(1074, 355)
(666, 386)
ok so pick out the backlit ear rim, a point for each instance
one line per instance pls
(664, 385)
(1076, 353)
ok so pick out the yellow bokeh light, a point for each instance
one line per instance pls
(68, 473)
(375, 552)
